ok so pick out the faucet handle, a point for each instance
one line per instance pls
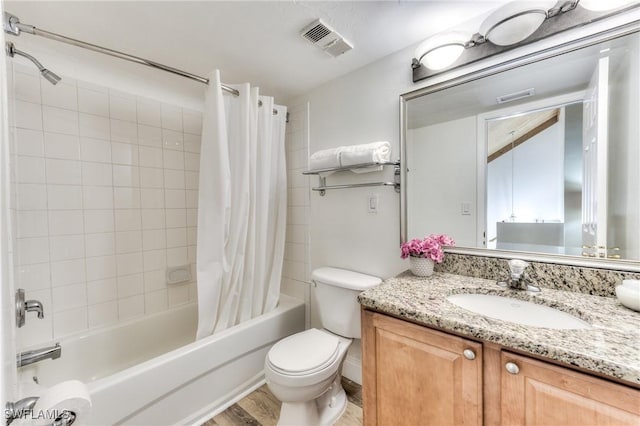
(517, 267)
(22, 307)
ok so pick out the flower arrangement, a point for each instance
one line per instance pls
(430, 247)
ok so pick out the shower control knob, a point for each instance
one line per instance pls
(512, 368)
(469, 354)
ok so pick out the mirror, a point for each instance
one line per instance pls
(538, 157)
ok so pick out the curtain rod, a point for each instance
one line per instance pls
(12, 25)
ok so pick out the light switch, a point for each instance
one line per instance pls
(466, 208)
(373, 203)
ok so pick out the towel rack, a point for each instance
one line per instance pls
(323, 187)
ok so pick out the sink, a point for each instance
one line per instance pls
(517, 311)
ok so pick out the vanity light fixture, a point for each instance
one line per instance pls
(514, 22)
(604, 5)
(441, 50)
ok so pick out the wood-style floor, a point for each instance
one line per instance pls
(261, 408)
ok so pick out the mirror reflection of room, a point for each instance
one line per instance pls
(542, 158)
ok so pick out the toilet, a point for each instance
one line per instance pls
(304, 370)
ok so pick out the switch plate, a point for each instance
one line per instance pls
(373, 203)
(466, 208)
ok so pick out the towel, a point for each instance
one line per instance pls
(325, 159)
(344, 156)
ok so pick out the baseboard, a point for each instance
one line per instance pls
(352, 369)
(222, 404)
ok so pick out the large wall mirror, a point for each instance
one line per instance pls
(539, 157)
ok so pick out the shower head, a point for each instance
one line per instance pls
(50, 76)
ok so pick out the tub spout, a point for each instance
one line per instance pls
(30, 357)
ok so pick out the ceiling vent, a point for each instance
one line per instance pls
(515, 96)
(326, 38)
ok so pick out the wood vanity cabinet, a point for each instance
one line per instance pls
(417, 376)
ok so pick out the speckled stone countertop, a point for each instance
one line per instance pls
(611, 347)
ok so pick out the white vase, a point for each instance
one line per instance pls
(421, 266)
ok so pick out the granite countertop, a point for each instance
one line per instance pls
(611, 347)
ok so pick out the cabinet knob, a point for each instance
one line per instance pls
(512, 368)
(469, 354)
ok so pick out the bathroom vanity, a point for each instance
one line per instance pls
(428, 361)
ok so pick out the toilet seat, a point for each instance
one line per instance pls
(304, 353)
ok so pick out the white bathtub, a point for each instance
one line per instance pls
(151, 372)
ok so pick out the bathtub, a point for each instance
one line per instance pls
(151, 371)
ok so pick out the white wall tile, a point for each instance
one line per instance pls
(177, 256)
(192, 143)
(66, 247)
(66, 222)
(176, 237)
(58, 120)
(131, 307)
(98, 221)
(93, 102)
(29, 142)
(101, 267)
(154, 259)
(172, 140)
(130, 263)
(174, 179)
(102, 244)
(35, 333)
(176, 218)
(30, 170)
(62, 95)
(33, 277)
(175, 198)
(154, 280)
(130, 285)
(69, 297)
(63, 172)
(192, 199)
(128, 242)
(27, 87)
(173, 159)
(103, 314)
(32, 223)
(191, 180)
(124, 131)
(124, 153)
(28, 115)
(191, 161)
(122, 108)
(64, 197)
(128, 220)
(149, 112)
(126, 176)
(151, 178)
(155, 302)
(58, 145)
(97, 197)
(153, 239)
(178, 294)
(68, 272)
(33, 250)
(95, 150)
(127, 198)
(102, 291)
(152, 198)
(192, 217)
(192, 236)
(149, 136)
(97, 174)
(150, 157)
(171, 117)
(153, 218)
(31, 196)
(69, 322)
(93, 126)
(192, 121)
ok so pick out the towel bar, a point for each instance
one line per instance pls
(323, 187)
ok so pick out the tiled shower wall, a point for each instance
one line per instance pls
(106, 191)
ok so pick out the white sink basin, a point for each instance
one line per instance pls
(517, 311)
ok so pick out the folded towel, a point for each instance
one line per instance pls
(325, 159)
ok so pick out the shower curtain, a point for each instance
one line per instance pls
(241, 207)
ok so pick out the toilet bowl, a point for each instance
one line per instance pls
(304, 370)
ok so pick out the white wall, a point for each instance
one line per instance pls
(106, 188)
(438, 187)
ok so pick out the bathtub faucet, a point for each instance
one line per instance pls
(30, 357)
(19, 409)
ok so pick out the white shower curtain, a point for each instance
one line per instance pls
(241, 207)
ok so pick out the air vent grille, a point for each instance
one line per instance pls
(515, 96)
(317, 33)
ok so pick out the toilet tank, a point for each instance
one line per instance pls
(336, 296)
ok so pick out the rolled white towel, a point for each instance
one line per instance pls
(373, 152)
(325, 159)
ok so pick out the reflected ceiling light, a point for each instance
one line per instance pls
(441, 50)
(602, 5)
(515, 21)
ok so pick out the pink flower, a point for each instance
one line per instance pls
(430, 247)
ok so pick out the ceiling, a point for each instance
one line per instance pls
(255, 41)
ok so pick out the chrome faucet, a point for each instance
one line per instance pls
(517, 280)
(30, 357)
(19, 409)
(23, 306)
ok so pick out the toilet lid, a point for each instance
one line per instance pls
(302, 352)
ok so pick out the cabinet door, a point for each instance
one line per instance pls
(417, 376)
(538, 393)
